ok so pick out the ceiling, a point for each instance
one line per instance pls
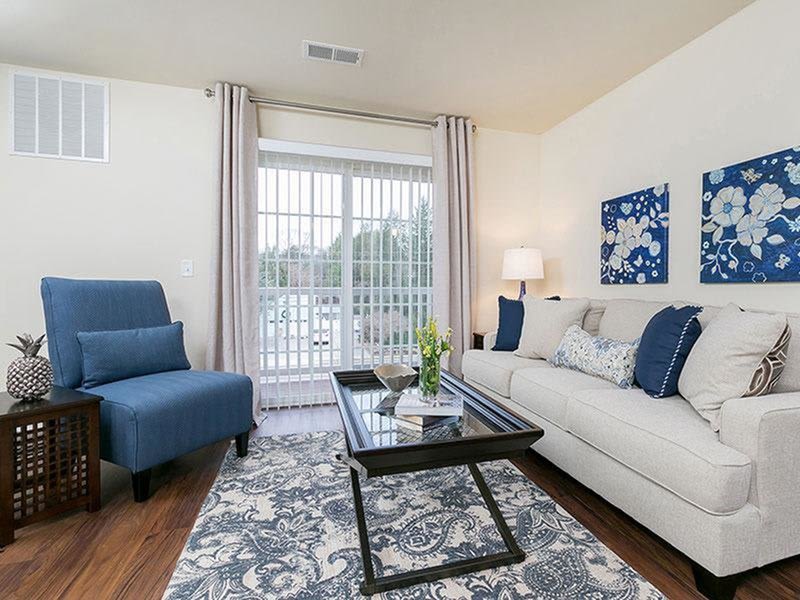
(520, 65)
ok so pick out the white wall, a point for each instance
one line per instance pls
(730, 95)
(135, 217)
(507, 187)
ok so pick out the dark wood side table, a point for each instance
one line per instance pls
(49, 457)
(477, 340)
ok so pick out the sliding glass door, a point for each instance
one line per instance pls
(345, 267)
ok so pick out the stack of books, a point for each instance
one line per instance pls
(415, 412)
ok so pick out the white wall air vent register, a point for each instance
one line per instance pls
(59, 116)
(331, 53)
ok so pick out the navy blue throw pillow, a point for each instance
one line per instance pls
(664, 346)
(113, 355)
(510, 324)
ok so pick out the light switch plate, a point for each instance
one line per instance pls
(187, 268)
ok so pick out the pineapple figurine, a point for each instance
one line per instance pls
(30, 376)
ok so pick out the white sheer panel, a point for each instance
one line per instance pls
(345, 266)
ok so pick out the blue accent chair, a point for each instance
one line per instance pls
(146, 420)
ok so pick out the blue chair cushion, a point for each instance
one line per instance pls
(666, 342)
(113, 355)
(151, 419)
(509, 326)
(73, 305)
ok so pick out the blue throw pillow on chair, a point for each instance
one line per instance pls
(509, 327)
(666, 342)
(114, 355)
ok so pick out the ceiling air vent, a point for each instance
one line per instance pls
(331, 53)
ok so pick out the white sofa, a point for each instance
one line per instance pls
(729, 501)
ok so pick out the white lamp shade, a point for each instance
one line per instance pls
(522, 264)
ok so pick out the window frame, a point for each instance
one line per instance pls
(349, 156)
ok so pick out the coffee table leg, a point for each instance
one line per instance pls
(373, 586)
(499, 521)
(367, 587)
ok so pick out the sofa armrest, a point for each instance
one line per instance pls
(766, 429)
(489, 340)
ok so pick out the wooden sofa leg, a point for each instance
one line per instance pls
(141, 485)
(713, 587)
(241, 444)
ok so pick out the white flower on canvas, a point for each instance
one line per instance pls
(727, 207)
(628, 233)
(751, 231)
(647, 241)
(793, 171)
(782, 261)
(716, 176)
(767, 201)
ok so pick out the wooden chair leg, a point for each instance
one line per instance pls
(713, 587)
(241, 443)
(141, 485)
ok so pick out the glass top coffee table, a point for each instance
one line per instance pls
(378, 445)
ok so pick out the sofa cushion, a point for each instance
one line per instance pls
(546, 391)
(493, 370)
(509, 324)
(666, 342)
(154, 418)
(591, 320)
(666, 441)
(626, 319)
(790, 380)
(725, 358)
(611, 360)
(546, 322)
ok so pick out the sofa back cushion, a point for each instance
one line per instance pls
(73, 305)
(591, 320)
(545, 323)
(625, 320)
(723, 362)
(790, 379)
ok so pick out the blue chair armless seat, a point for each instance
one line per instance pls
(147, 420)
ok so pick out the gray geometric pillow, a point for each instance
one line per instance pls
(771, 367)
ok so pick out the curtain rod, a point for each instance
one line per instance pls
(338, 111)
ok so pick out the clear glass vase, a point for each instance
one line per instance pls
(430, 376)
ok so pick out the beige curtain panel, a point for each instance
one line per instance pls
(453, 246)
(233, 323)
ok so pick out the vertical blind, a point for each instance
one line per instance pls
(345, 269)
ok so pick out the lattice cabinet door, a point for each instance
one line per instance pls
(50, 462)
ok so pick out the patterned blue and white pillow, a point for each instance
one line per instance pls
(602, 357)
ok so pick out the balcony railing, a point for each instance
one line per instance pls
(306, 333)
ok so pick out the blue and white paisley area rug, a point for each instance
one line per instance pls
(280, 524)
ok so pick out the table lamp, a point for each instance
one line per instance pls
(522, 264)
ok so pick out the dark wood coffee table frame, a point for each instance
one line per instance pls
(511, 437)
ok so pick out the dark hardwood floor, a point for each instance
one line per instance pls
(129, 550)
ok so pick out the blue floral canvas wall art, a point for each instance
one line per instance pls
(750, 231)
(634, 229)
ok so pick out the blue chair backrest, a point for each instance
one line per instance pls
(73, 305)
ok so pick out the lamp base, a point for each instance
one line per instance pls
(521, 289)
